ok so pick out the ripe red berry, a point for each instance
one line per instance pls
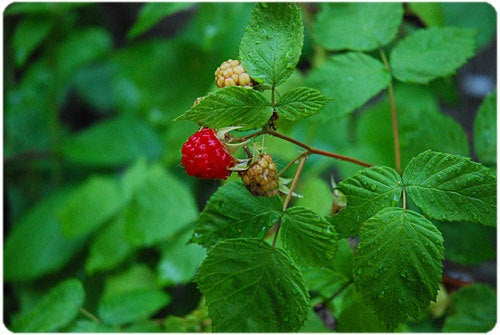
(205, 156)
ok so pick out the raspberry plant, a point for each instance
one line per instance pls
(253, 277)
(311, 181)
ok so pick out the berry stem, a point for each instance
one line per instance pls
(305, 153)
(312, 150)
(289, 195)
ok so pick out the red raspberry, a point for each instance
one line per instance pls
(205, 156)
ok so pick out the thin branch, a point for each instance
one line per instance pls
(89, 315)
(289, 196)
(394, 116)
(312, 150)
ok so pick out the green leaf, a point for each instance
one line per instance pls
(357, 26)
(109, 248)
(90, 205)
(432, 53)
(451, 188)
(301, 102)
(114, 142)
(131, 306)
(36, 245)
(316, 195)
(160, 207)
(28, 36)
(151, 13)
(233, 212)
(55, 309)
(477, 15)
(473, 309)
(398, 264)
(367, 192)
(179, 260)
(430, 13)
(468, 244)
(271, 45)
(231, 106)
(357, 317)
(310, 239)
(485, 130)
(252, 287)
(351, 79)
(81, 47)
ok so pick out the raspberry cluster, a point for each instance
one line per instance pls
(205, 156)
(232, 73)
(261, 177)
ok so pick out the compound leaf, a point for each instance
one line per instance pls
(351, 79)
(451, 188)
(357, 26)
(367, 192)
(473, 309)
(301, 102)
(231, 106)
(432, 53)
(398, 264)
(485, 130)
(309, 238)
(233, 212)
(55, 309)
(271, 45)
(251, 287)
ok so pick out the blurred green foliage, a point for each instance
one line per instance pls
(97, 209)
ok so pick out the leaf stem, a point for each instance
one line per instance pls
(305, 153)
(394, 115)
(289, 197)
(340, 290)
(89, 315)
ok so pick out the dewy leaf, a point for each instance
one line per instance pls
(451, 188)
(160, 206)
(432, 53)
(251, 287)
(398, 264)
(90, 205)
(473, 309)
(485, 130)
(36, 245)
(367, 192)
(309, 238)
(55, 309)
(357, 26)
(233, 212)
(151, 13)
(271, 45)
(351, 79)
(231, 106)
(301, 102)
